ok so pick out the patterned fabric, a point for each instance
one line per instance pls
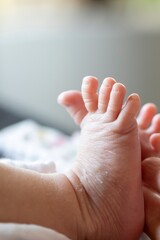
(29, 144)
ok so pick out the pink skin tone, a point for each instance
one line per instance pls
(110, 172)
(149, 131)
(101, 197)
(151, 189)
(148, 119)
(149, 122)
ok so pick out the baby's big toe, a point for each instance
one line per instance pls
(127, 116)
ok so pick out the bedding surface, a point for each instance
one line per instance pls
(12, 231)
(32, 146)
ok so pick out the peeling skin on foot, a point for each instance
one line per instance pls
(99, 179)
(89, 175)
(94, 172)
(86, 175)
(108, 162)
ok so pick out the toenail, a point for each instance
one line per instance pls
(88, 79)
(60, 98)
(109, 81)
(118, 87)
(108, 84)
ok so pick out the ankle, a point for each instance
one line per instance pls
(88, 220)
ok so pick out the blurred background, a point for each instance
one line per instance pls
(48, 46)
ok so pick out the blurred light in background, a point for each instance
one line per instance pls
(18, 14)
(47, 46)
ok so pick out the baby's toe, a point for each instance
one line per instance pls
(146, 115)
(89, 93)
(155, 125)
(129, 112)
(104, 94)
(155, 142)
(115, 102)
(73, 103)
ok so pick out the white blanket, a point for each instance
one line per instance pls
(11, 231)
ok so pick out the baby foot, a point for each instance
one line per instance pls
(149, 129)
(151, 178)
(107, 174)
(148, 119)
